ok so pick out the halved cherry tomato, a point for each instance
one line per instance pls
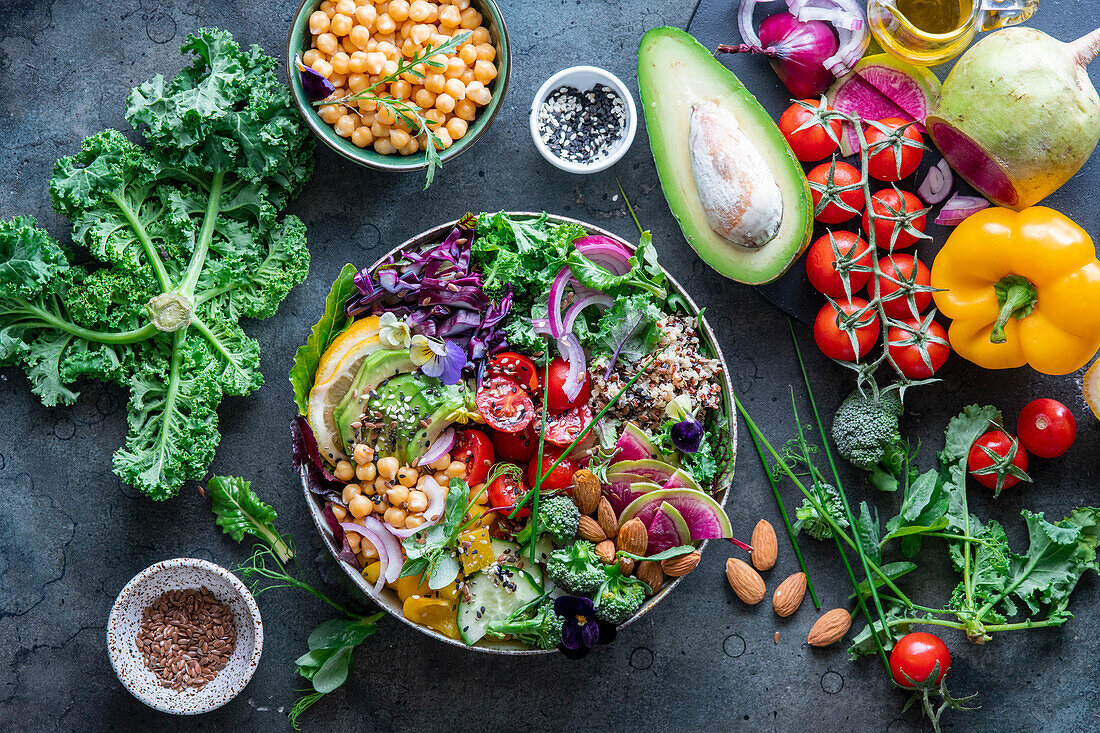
(473, 448)
(821, 263)
(505, 491)
(883, 164)
(556, 400)
(914, 658)
(516, 447)
(900, 267)
(843, 175)
(887, 203)
(504, 405)
(560, 478)
(813, 142)
(563, 429)
(515, 366)
(834, 341)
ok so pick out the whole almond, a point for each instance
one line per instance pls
(586, 491)
(589, 529)
(650, 573)
(626, 565)
(830, 628)
(765, 548)
(606, 551)
(746, 582)
(605, 515)
(788, 596)
(681, 565)
(633, 537)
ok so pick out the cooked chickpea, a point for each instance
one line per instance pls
(365, 472)
(395, 517)
(339, 512)
(465, 110)
(331, 112)
(354, 539)
(479, 496)
(381, 485)
(345, 125)
(322, 67)
(486, 52)
(417, 501)
(400, 89)
(423, 98)
(357, 83)
(420, 33)
(456, 127)
(326, 43)
(379, 130)
(399, 139)
(387, 467)
(484, 71)
(471, 19)
(418, 11)
(398, 495)
(339, 62)
(344, 471)
(385, 24)
(449, 17)
(413, 522)
(347, 44)
(374, 62)
(367, 16)
(406, 476)
(435, 118)
(410, 148)
(398, 10)
(328, 8)
(367, 106)
(390, 67)
(461, 4)
(367, 487)
(347, 7)
(318, 22)
(468, 54)
(445, 103)
(457, 469)
(357, 62)
(435, 83)
(387, 49)
(386, 117)
(359, 35)
(338, 81)
(360, 506)
(367, 551)
(455, 88)
(340, 25)
(310, 56)
(467, 76)
(444, 137)
(455, 67)
(350, 492)
(480, 35)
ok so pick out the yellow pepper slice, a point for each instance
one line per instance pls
(410, 586)
(435, 613)
(475, 549)
(1020, 288)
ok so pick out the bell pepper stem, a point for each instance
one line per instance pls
(1017, 300)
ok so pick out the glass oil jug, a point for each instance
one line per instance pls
(930, 32)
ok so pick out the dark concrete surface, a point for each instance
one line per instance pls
(71, 536)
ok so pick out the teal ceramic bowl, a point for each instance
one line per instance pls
(299, 42)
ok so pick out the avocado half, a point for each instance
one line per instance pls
(675, 73)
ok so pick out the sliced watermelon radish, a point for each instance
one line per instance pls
(623, 488)
(635, 445)
(704, 516)
(681, 479)
(668, 529)
(656, 471)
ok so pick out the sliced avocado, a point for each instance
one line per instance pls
(676, 75)
(376, 369)
(459, 407)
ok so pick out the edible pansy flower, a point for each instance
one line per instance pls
(580, 629)
(687, 432)
(393, 332)
(438, 358)
(315, 86)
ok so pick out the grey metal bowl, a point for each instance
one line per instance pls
(388, 599)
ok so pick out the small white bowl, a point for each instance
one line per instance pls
(584, 78)
(125, 622)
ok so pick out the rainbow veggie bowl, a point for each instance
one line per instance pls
(506, 424)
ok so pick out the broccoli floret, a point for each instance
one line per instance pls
(558, 516)
(866, 431)
(536, 626)
(619, 597)
(576, 569)
(812, 523)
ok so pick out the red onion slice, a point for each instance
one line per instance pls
(557, 293)
(571, 349)
(542, 326)
(389, 552)
(605, 252)
(959, 208)
(846, 16)
(937, 184)
(576, 308)
(439, 448)
(745, 24)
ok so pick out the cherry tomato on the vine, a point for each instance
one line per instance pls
(813, 142)
(1002, 470)
(908, 356)
(514, 366)
(473, 448)
(887, 203)
(821, 263)
(505, 490)
(1046, 428)
(560, 478)
(834, 341)
(901, 267)
(556, 400)
(843, 175)
(883, 164)
(914, 658)
(504, 405)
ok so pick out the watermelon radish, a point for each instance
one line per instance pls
(653, 470)
(881, 86)
(668, 529)
(704, 516)
(623, 488)
(682, 480)
(635, 445)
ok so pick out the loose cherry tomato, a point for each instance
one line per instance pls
(834, 341)
(514, 366)
(1046, 428)
(473, 448)
(887, 203)
(556, 400)
(821, 263)
(883, 164)
(1005, 468)
(813, 142)
(516, 447)
(558, 479)
(505, 490)
(504, 405)
(564, 428)
(843, 175)
(908, 357)
(914, 658)
(901, 267)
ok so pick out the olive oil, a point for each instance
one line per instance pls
(935, 16)
(924, 32)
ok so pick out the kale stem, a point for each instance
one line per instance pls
(786, 519)
(202, 246)
(102, 337)
(146, 242)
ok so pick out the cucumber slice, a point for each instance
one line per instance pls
(521, 556)
(495, 593)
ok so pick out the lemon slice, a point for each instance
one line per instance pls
(336, 373)
(1092, 388)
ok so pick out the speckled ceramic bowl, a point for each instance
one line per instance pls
(388, 599)
(125, 622)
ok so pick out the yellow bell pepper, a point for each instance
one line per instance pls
(371, 571)
(1020, 288)
(410, 586)
(475, 549)
(435, 613)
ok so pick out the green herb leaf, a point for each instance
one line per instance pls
(240, 511)
(341, 632)
(665, 555)
(892, 570)
(334, 672)
(332, 323)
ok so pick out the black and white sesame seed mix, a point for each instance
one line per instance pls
(582, 126)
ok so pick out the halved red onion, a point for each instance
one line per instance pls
(571, 349)
(937, 184)
(847, 17)
(959, 208)
(575, 309)
(439, 448)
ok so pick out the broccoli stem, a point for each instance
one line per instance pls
(202, 247)
(146, 243)
(47, 319)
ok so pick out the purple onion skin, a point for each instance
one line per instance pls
(797, 51)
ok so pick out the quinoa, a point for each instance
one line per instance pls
(680, 368)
